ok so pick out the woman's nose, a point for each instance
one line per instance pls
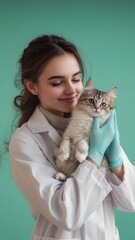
(70, 88)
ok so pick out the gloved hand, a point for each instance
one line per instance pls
(112, 153)
(100, 138)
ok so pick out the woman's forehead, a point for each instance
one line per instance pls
(65, 64)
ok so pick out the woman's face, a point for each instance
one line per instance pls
(59, 85)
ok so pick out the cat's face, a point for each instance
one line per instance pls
(95, 102)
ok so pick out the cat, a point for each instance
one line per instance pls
(75, 140)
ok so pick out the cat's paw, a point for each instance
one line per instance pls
(80, 157)
(81, 150)
(63, 156)
(60, 176)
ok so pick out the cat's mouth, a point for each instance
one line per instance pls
(97, 112)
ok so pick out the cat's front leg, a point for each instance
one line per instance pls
(64, 150)
(81, 150)
(61, 176)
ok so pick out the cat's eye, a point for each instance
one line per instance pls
(103, 104)
(91, 101)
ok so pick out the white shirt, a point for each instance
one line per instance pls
(81, 208)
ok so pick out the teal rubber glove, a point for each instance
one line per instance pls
(100, 138)
(113, 153)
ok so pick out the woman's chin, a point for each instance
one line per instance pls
(70, 107)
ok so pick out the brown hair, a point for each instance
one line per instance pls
(34, 58)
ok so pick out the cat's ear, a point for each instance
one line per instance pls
(112, 93)
(89, 84)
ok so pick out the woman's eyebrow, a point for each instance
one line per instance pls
(60, 76)
(55, 76)
(76, 73)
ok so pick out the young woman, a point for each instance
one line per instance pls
(51, 72)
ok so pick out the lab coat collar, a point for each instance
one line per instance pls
(39, 124)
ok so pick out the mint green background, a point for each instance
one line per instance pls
(104, 32)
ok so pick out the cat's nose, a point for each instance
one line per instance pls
(97, 106)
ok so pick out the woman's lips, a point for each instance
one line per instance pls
(68, 100)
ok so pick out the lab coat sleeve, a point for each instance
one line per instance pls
(66, 204)
(123, 192)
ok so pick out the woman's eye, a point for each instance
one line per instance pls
(91, 101)
(76, 80)
(56, 84)
(103, 104)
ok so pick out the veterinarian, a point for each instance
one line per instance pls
(82, 207)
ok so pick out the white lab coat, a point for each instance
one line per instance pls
(80, 208)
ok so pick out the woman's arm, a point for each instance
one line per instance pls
(66, 204)
(119, 172)
(122, 181)
(123, 192)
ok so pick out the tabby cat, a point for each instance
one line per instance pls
(75, 141)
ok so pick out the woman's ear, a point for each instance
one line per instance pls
(31, 86)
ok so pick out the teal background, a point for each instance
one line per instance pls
(104, 32)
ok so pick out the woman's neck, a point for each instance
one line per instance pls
(58, 122)
(58, 113)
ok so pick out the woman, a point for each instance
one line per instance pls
(51, 73)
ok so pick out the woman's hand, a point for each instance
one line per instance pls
(113, 151)
(101, 138)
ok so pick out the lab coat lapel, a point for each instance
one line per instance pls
(48, 147)
(43, 127)
(46, 135)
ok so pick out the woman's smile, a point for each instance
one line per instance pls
(69, 99)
